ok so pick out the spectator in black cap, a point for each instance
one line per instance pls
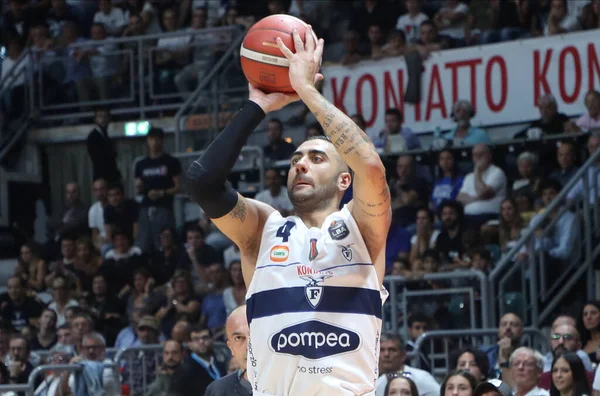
(160, 174)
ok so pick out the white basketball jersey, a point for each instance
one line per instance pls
(314, 310)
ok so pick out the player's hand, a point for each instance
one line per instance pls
(271, 101)
(306, 62)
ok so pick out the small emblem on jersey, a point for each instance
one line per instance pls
(314, 340)
(338, 230)
(346, 251)
(279, 253)
(314, 292)
(313, 251)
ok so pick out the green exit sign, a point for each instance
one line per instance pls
(139, 128)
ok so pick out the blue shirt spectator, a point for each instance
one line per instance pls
(213, 310)
(397, 244)
(473, 136)
(464, 133)
(448, 185)
(393, 126)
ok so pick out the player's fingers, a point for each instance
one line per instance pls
(284, 50)
(309, 40)
(319, 50)
(318, 77)
(298, 43)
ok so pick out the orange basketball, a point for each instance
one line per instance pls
(264, 66)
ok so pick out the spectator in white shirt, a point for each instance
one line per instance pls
(274, 194)
(96, 214)
(483, 189)
(451, 20)
(527, 366)
(410, 22)
(113, 18)
(591, 120)
(559, 19)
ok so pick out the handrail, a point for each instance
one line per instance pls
(10, 74)
(202, 84)
(46, 367)
(508, 258)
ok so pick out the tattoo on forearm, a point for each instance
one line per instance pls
(239, 212)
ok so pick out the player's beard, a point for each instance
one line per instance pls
(313, 198)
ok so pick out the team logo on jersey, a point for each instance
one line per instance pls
(314, 340)
(346, 251)
(312, 291)
(313, 252)
(279, 253)
(338, 230)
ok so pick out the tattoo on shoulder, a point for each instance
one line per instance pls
(239, 212)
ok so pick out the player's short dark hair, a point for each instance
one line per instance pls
(326, 138)
(397, 338)
(417, 317)
(395, 112)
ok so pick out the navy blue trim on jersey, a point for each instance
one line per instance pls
(336, 299)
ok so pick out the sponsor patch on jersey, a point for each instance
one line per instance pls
(279, 253)
(313, 252)
(338, 230)
(304, 270)
(346, 251)
(314, 339)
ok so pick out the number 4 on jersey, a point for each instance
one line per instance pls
(284, 231)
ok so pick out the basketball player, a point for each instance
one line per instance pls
(315, 279)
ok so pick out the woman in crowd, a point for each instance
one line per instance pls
(511, 224)
(235, 295)
(31, 268)
(142, 286)
(86, 265)
(569, 377)
(400, 385)
(425, 237)
(459, 382)
(449, 182)
(474, 361)
(590, 329)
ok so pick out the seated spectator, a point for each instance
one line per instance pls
(399, 384)
(408, 191)
(231, 254)
(113, 18)
(483, 189)
(473, 361)
(590, 330)
(591, 120)
(391, 360)
(526, 368)
(61, 292)
(278, 149)
(59, 13)
(120, 213)
(410, 22)
(179, 302)
(64, 266)
(569, 376)
(459, 381)
(214, 311)
(376, 41)
(451, 20)
(558, 242)
(73, 219)
(200, 368)
(65, 336)
(565, 338)
(199, 256)
(510, 332)
(274, 195)
(425, 237)
(121, 262)
(86, 264)
(46, 336)
(166, 261)
(560, 21)
(526, 189)
(551, 122)
(93, 349)
(235, 295)
(181, 331)
(172, 356)
(400, 267)
(395, 45)
(140, 292)
(511, 225)
(566, 161)
(590, 17)
(172, 53)
(19, 366)
(106, 309)
(393, 126)
(430, 40)
(51, 384)
(397, 244)
(127, 337)
(449, 182)
(418, 324)
(96, 214)
(593, 176)
(450, 241)
(31, 269)
(464, 133)
(17, 307)
(140, 373)
(352, 51)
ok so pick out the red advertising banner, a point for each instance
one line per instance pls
(503, 81)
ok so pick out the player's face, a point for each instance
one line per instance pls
(314, 178)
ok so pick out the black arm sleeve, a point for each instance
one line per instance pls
(206, 179)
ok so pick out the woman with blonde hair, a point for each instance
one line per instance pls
(31, 269)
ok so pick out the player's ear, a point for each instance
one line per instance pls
(344, 181)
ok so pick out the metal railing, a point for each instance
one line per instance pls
(540, 294)
(398, 299)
